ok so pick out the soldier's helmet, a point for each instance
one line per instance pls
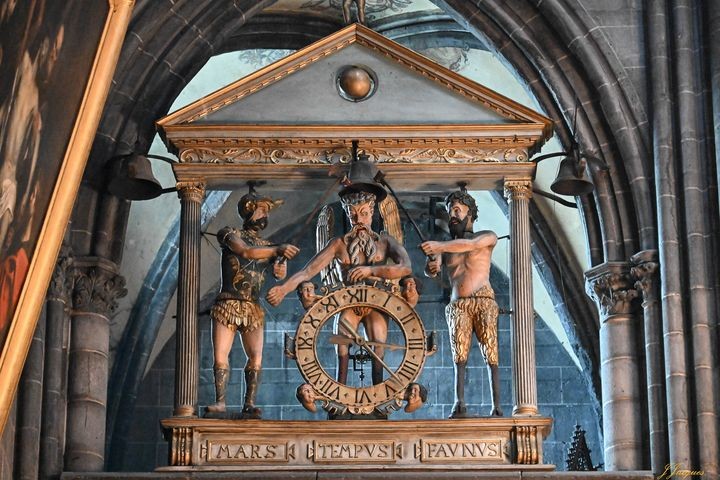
(249, 202)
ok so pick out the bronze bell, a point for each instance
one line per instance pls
(361, 178)
(572, 179)
(133, 179)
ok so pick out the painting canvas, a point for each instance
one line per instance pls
(54, 60)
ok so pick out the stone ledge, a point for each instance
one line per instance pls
(361, 475)
(481, 444)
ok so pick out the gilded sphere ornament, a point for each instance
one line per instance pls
(355, 83)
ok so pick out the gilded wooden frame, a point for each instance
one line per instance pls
(57, 216)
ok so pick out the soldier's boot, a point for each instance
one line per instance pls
(495, 389)
(459, 409)
(252, 381)
(222, 377)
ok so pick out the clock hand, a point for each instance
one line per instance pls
(345, 340)
(362, 343)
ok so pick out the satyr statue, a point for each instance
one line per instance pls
(360, 4)
(362, 254)
(245, 256)
(472, 307)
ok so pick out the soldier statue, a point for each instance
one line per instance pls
(362, 254)
(472, 306)
(245, 256)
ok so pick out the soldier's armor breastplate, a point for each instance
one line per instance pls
(242, 279)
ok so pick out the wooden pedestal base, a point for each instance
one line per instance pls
(512, 443)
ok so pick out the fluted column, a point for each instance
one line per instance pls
(54, 396)
(96, 288)
(645, 273)
(522, 327)
(187, 350)
(612, 288)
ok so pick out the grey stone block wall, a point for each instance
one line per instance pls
(562, 393)
(7, 444)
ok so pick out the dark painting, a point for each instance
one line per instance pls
(47, 49)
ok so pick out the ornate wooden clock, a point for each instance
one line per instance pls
(405, 349)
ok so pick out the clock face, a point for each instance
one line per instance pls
(323, 327)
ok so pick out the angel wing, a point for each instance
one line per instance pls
(330, 275)
(391, 218)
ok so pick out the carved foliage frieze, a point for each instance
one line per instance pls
(307, 156)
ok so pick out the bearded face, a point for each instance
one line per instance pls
(361, 245)
(460, 222)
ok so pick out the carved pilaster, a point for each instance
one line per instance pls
(181, 446)
(522, 327)
(612, 287)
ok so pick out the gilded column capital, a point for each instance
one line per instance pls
(516, 189)
(62, 279)
(96, 286)
(612, 287)
(645, 272)
(194, 191)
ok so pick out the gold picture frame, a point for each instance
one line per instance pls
(43, 256)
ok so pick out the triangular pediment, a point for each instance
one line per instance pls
(301, 90)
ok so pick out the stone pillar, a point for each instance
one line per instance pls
(30, 406)
(97, 286)
(187, 349)
(645, 273)
(54, 397)
(522, 327)
(612, 288)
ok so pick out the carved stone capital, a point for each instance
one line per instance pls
(644, 271)
(62, 280)
(193, 191)
(612, 287)
(96, 286)
(518, 189)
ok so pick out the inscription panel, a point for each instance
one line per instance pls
(231, 452)
(350, 452)
(444, 451)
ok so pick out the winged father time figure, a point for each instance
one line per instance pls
(245, 256)
(362, 254)
(472, 307)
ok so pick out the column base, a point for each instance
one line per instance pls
(525, 411)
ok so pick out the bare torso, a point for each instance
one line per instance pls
(468, 271)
